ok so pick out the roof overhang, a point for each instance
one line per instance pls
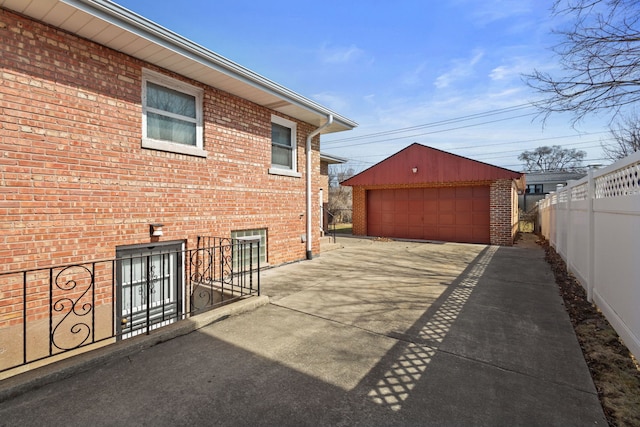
(118, 28)
(553, 177)
(332, 160)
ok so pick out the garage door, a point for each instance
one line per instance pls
(453, 214)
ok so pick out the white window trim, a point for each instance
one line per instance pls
(174, 147)
(280, 170)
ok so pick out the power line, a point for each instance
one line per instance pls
(440, 131)
(510, 166)
(572, 144)
(533, 140)
(437, 123)
(585, 161)
(520, 142)
(492, 156)
(485, 156)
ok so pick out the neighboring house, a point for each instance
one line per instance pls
(424, 193)
(539, 184)
(325, 161)
(110, 124)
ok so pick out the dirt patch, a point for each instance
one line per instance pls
(614, 370)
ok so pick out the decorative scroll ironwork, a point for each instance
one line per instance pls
(226, 263)
(219, 271)
(67, 307)
(202, 275)
(72, 307)
(151, 281)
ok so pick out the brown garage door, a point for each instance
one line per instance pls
(453, 214)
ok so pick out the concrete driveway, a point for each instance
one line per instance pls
(375, 333)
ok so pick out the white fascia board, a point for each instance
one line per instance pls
(144, 28)
(331, 159)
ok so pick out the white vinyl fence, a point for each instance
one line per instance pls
(594, 224)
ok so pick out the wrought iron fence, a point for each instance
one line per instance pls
(50, 312)
(331, 225)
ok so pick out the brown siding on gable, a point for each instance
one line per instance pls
(431, 166)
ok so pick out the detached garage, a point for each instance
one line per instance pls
(428, 194)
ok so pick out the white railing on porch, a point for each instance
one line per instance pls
(594, 224)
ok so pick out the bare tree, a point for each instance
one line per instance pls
(600, 56)
(553, 159)
(338, 173)
(340, 202)
(625, 134)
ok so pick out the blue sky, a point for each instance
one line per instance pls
(436, 67)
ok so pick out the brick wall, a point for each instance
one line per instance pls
(501, 207)
(359, 212)
(501, 226)
(75, 182)
(324, 181)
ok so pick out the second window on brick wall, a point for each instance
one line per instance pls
(283, 146)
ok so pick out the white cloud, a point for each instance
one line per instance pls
(489, 11)
(499, 73)
(414, 77)
(515, 67)
(331, 100)
(461, 69)
(340, 54)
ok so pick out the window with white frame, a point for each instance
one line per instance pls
(171, 115)
(283, 147)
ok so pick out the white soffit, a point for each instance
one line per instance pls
(111, 25)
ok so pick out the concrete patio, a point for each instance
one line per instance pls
(373, 333)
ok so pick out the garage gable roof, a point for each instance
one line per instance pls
(432, 166)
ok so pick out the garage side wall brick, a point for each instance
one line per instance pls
(359, 211)
(501, 226)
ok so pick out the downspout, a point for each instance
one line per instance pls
(309, 175)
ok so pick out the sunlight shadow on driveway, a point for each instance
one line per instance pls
(397, 382)
(337, 317)
(383, 288)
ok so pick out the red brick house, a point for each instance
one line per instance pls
(111, 125)
(424, 193)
